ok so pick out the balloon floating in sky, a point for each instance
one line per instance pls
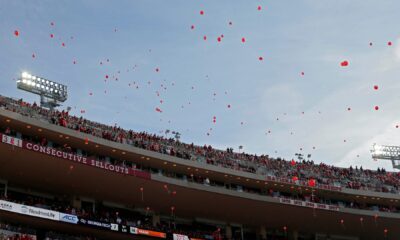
(344, 63)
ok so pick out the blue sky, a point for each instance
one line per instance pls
(198, 79)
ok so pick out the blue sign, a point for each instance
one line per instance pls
(68, 218)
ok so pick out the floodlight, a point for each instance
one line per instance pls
(50, 92)
(383, 152)
(25, 75)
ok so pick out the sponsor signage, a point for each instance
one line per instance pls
(40, 212)
(309, 204)
(11, 140)
(124, 228)
(94, 223)
(180, 237)
(73, 219)
(68, 218)
(149, 233)
(114, 227)
(133, 230)
(29, 210)
(83, 160)
(301, 183)
(10, 206)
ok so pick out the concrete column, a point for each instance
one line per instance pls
(5, 188)
(228, 232)
(156, 220)
(263, 233)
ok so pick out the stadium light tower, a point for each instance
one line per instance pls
(50, 92)
(387, 153)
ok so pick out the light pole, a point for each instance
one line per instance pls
(50, 92)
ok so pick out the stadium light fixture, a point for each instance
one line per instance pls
(384, 152)
(50, 92)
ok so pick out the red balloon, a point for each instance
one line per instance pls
(16, 33)
(344, 63)
(311, 182)
(52, 35)
(389, 43)
(260, 58)
(376, 108)
(63, 44)
(219, 39)
(243, 40)
(376, 87)
(201, 12)
(259, 8)
(205, 37)
(192, 27)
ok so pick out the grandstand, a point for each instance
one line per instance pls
(66, 177)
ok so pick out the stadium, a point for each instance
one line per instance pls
(64, 175)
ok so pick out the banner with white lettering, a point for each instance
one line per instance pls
(309, 204)
(84, 160)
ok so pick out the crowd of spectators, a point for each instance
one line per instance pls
(358, 178)
(12, 232)
(191, 178)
